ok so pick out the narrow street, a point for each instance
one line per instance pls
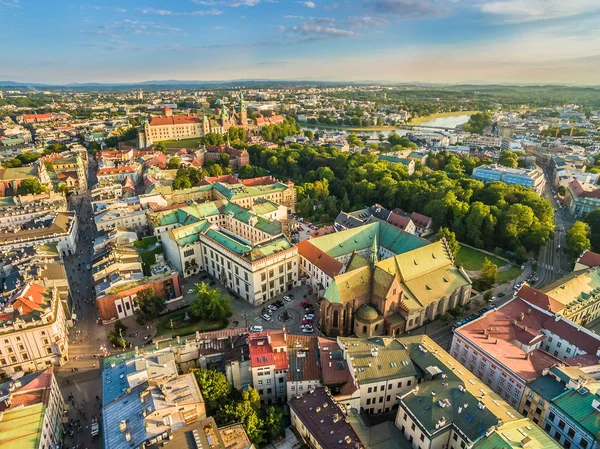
(80, 376)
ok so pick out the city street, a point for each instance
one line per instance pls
(80, 376)
(552, 262)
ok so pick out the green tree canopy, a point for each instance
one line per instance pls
(30, 186)
(174, 163)
(210, 304)
(450, 239)
(577, 239)
(150, 305)
(509, 159)
(214, 386)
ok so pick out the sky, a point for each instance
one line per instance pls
(433, 41)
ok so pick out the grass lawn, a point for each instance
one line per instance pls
(149, 259)
(145, 242)
(183, 143)
(508, 275)
(426, 118)
(181, 327)
(472, 260)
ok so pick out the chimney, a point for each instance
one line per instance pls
(527, 355)
(528, 311)
(521, 316)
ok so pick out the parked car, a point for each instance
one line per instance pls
(272, 307)
(307, 330)
(304, 322)
(266, 317)
(256, 329)
(287, 298)
(309, 316)
(492, 299)
(304, 304)
(279, 303)
(501, 294)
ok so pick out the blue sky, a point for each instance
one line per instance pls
(482, 41)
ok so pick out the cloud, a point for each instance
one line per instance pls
(319, 29)
(367, 21)
(409, 9)
(10, 3)
(310, 5)
(532, 10)
(166, 12)
(229, 3)
(133, 27)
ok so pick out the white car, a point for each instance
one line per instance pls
(309, 316)
(492, 299)
(287, 298)
(266, 317)
(272, 307)
(307, 330)
(256, 329)
(190, 291)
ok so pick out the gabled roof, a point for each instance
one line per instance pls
(590, 259)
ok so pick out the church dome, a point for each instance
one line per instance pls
(367, 312)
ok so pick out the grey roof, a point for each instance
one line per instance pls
(128, 409)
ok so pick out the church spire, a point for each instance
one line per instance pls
(374, 258)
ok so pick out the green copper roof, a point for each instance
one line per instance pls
(578, 407)
(239, 191)
(363, 237)
(547, 387)
(512, 435)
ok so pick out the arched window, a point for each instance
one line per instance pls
(364, 329)
(336, 317)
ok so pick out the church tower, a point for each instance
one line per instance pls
(243, 111)
(373, 256)
(144, 136)
(224, 119)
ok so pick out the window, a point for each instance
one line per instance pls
(455, 437)
(399, 384)
(369, 390)
(584, 443)
(561, 424)
(551, 416)
(413, 426)
(571, 433)
(369, 401)
(382, 388)
(422, 438)
(559, 344)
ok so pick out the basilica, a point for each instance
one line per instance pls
(380, 280)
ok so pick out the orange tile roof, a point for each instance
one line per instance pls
(321, 259)
(539, 299)
(518, 320)
(115, 170)
(590, 259)
(175, 120)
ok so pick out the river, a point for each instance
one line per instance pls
(442, 122)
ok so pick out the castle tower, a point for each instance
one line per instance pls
(243, 111)
(224, 119)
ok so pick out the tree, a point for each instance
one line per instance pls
(243, 412)
(509, 159)
(150, 305)
(116, 336)
(181, 182)
(593, 220)
(450, 237)
(274, 423)
(488, 274)
(562, 190)
(478, 122)
(210, 304)
(160, 146)
(309, 134)
(577, 239)
(30, 186)
(214, 386)
(174, 163)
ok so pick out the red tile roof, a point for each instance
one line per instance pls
(399, 221)
(539, 299)
(517, 320)
(115, 170)
(321, 259)
(580, 191)
(590, 259)
(262, 354)
(175, 120)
